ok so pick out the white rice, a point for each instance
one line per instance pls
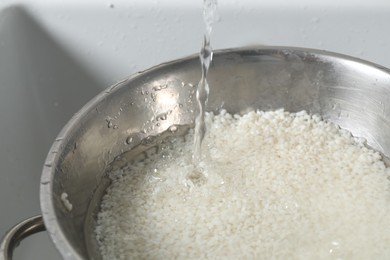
(277, 185)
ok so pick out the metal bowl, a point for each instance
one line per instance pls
(349, 92)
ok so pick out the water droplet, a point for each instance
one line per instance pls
(162, 116)
(109, 124)
(129, 140)
(153, 96)
(160, 87)
(115, 127)
(111, 5)
(173, 128)
(66, 202)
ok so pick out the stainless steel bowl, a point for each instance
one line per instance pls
(352, 93)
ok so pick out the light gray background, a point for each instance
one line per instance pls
(55, 55)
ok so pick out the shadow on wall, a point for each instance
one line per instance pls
(41, 87)
(36, 64)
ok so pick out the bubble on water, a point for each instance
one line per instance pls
(197, 177)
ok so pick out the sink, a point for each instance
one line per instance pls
(55, 56)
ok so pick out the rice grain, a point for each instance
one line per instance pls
(277, 185)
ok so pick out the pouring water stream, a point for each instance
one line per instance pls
(202, 93)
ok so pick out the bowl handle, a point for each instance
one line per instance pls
(20, 231)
